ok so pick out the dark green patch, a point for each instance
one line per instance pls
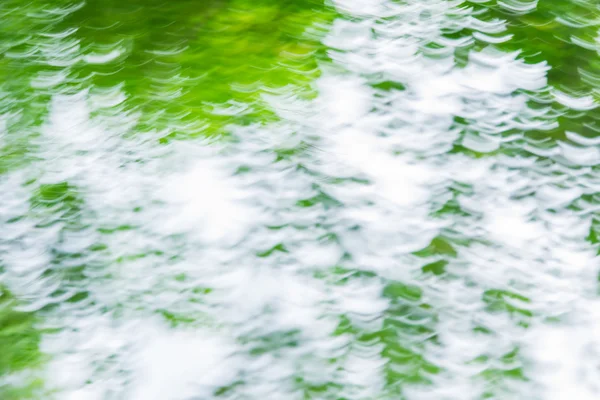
(61, 199)
(436, 268)
(120, 228)
(438, 246)
(322, 198)
(389, 85)
(278, 248)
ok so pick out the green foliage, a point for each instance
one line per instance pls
(408, 327)
(19, 337)
(512, 303)
(31, 390)
(193, 67)
(561, 33)
(19, 349)
(438, 246)
(58, 197)
(436, 268)
(278, 248)
(187, 68)
(322, 198)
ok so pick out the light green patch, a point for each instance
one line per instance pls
(209, 64)
(497, 379)
(19, 349)
(20, 339)
(408, 328)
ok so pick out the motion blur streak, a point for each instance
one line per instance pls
(261, 199)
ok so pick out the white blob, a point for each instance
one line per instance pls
(97, 58)
(181, 365)
(205, 203)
